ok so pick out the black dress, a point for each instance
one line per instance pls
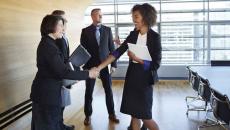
(137, 94)
(138, 91)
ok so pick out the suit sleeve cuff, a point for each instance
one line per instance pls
(146, 65)
(115, 54)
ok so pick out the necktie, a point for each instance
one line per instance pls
(98, 35)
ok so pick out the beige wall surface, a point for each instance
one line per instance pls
(19, 36)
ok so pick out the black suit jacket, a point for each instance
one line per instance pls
(63, 45)
(98, 52)
(46, 87)
(154, 47)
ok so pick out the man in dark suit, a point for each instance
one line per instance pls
(98, 41)
(63, 45)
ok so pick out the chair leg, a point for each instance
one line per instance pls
(205, 126)
(215, 123)
(203, 108)
(207, 118)
(193, 99)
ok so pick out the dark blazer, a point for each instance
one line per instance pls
(46, 87)
(62, 45)
(98, 52)
(154, 47)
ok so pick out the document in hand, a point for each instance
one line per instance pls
(140, 51)
(80, 56)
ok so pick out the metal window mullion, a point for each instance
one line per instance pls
(209, 36)
(159, 25)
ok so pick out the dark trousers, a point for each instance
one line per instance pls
(106, 82)
(62, 118)
(45, 117)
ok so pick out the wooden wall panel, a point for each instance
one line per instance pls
(19, 36)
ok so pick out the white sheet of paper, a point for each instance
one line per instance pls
(140, 51)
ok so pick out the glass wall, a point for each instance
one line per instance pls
(192, 31)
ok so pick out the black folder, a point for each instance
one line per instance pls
(79, 57)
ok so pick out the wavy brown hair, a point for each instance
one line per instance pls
(148, 13)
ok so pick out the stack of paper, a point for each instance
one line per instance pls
(140, 51)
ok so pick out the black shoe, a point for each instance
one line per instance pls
(69, 127)
(129, 128)
(143, 127)
(87, 121)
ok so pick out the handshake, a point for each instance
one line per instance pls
(94, 72)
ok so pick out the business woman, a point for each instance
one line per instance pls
(46, 87)
(141, 75)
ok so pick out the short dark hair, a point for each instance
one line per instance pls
(49, 24)
(58, 12)
(148, 12)
(94, 10)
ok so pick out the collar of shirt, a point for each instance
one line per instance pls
(142, 39)
(98, 25)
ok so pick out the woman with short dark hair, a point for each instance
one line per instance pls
(141, 74)
(46, 87)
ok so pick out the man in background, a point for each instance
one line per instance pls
(98, 41)
(64, 48)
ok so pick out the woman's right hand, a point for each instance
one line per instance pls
(94, 73)
(117, 40)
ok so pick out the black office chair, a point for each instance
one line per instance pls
(220, 62)
(205, 92)
(192, 79)
(221, 109)
(195, 82)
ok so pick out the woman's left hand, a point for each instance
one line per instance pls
(131, 55)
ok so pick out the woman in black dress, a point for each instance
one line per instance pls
(141, 74)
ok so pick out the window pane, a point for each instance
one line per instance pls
(220, 54)
(185, 57)
(220, 43)
(182, 17)
(219, 5)
(186, 6)
(220, 10)
(125, 18)
(220, 15)
(182, 24)
(220, 30)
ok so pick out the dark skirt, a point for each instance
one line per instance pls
(138, 93)
(46, 117)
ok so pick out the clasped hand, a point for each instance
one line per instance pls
(94, 72)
